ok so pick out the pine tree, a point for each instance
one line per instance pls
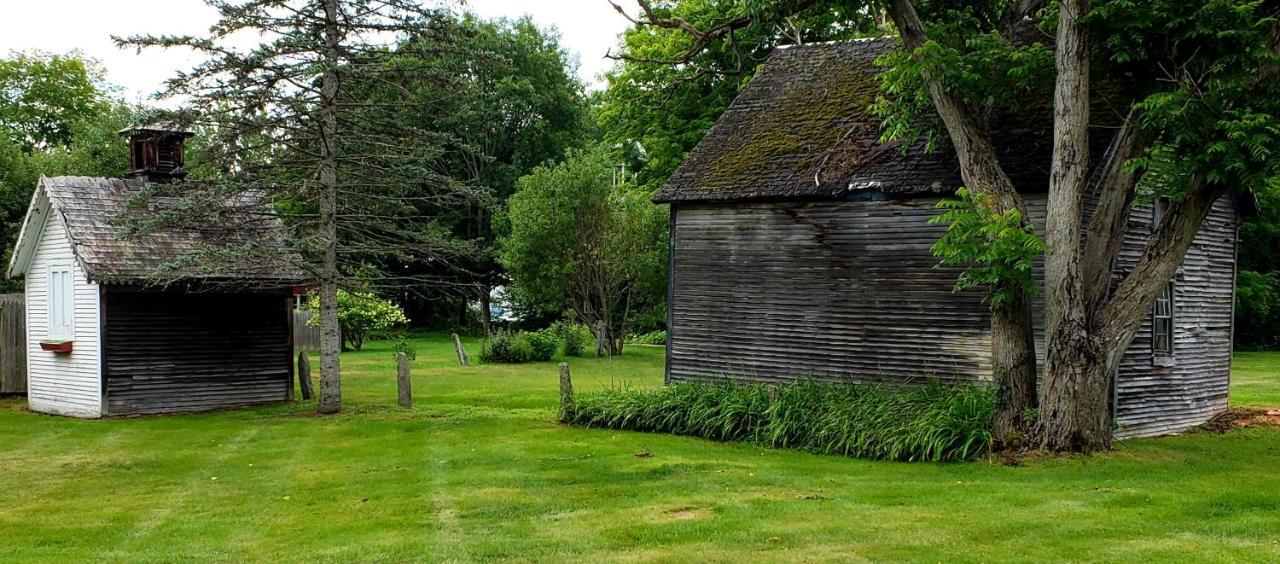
(354, 177)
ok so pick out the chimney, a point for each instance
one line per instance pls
(155, 151)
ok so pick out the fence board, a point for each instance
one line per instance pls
(305, 336)
(13, 344)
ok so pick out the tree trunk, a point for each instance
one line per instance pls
(485, 316)
(1013, 352)
(330, 336)
(1074, 397)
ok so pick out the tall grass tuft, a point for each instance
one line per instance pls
(931, 422)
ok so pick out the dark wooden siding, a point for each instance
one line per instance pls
(173, 352)
(848, 291)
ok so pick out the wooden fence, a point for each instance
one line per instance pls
(305, 336)
(13, 344)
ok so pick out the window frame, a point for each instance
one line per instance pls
(60, 301)
(1163, 346)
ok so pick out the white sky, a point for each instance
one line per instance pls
(588, 28)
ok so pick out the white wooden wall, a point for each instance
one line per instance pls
(64, 384)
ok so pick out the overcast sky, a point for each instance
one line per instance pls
(588, 28)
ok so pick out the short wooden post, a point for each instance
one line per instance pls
(404, 389)
(566, 391)
(304, 375)
(462, 354)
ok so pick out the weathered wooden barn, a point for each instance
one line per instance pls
(104, 338)
(800, 246)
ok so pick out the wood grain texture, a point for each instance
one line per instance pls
(179, 352)
(848, 291)
(13, 344)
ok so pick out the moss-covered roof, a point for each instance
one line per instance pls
(803, 129)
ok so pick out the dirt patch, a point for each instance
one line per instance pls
(1243, 418)
(684, 514)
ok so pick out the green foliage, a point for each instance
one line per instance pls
(668, 107)
(985, 69)
(56, 118)
(506, 347)
(931, 422)
(651, 338)
(544, 344)
(361, 315)
(1257, 310)
(572, 241)
(996, 249)
(403, 346)
(575, 336)
(516, 347)
(44, 97)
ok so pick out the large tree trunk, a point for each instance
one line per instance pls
(1013, 356)
(1012, 339)
(330, 335)
(1074, 397)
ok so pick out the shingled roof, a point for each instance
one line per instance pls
(91, 210)
(803, 129)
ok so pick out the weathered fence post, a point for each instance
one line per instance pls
(304, 375)
(404, 389)
(462, 354)
(566, 391)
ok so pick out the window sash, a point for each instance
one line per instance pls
(61, 302)
(1162, 321)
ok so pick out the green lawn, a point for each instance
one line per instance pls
(479, 470)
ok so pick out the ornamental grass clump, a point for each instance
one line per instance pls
(930, 422)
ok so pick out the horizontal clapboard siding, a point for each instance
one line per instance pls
(178, 352)
(63, 384)
(848, 291)
(834, 291)
(1154, 399)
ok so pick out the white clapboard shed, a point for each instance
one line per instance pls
(104, 337)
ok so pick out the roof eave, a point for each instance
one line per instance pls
(29, 234)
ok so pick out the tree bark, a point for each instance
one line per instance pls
(1074, 397)
(1014, 362)
(1013, 352)
(1135, 295)
(485, 317)
(330, 337)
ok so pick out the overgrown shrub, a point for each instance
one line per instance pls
(544, 344)
(932, 422)
(506, 347)
(576, 337)
(651, 338)
(515, 347)
(361, 315)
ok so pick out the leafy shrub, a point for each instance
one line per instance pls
(506, 347)
(932, 422)
(361, 315)
(650, 338)
(544, 344)
(575, 336)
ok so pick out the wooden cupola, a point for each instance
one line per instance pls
(155, 151)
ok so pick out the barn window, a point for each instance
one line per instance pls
(1162, 321)
(61, 302)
